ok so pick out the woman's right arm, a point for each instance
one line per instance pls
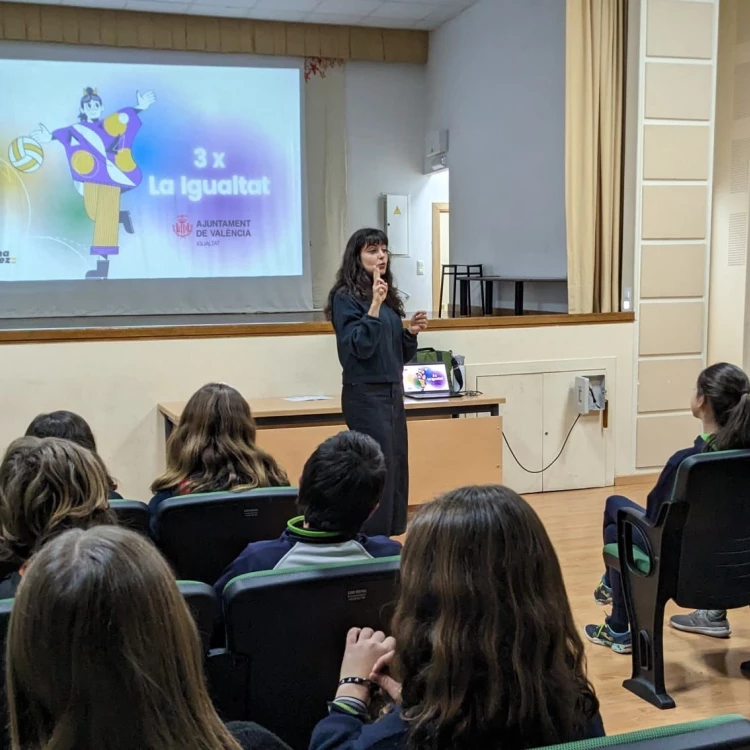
(358, 333)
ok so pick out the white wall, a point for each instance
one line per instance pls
(496, 81)
(386, 124)
(116, 385)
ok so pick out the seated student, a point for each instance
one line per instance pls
(47, 485)
(69, 426)
(340, 488)
(721, 403)
(484, 652)
(213, 449)
(102, 652)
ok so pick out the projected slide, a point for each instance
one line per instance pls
(126, 171)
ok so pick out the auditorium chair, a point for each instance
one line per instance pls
(201, 535)
(697, 552)
(286, 632)
(133, 514)
(728, 732)
(204, 606)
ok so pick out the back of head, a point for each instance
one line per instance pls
(69, 426)
(213, 447)
(726, 389)
(102, 651)
(63, 424)
(49, 485)
(486, 645)
(342, 483)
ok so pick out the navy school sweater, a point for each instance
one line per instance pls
(300, 546)
(371, 350)
(342, 731)
(664, 486)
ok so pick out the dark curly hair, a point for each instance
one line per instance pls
(352, 277)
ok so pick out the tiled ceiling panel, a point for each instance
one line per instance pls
(398, 14)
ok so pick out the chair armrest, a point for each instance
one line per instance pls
(628, 520)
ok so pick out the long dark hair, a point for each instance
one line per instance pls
(487, 650)
(352, 277)
(213, 447)
(725, 388)
(102, 651)
(69, 426)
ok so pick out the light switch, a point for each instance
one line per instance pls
(420, 268)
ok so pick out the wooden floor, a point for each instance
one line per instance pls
(702, 674)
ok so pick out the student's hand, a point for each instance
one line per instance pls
(364, 648)
(418, 322)
(380, 677)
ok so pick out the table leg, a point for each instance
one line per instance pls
(463, 307)
(440, 301)
(519, 298)
(488, 304)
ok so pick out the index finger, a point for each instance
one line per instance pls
(376, 274)
(352, 635)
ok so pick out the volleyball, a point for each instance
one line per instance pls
(25, 154)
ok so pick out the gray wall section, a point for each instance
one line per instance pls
(496, 80)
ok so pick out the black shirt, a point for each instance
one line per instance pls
(371, 350)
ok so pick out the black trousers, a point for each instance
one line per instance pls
(377, 410)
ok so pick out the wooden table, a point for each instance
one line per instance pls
(488, 284)
(446, 449)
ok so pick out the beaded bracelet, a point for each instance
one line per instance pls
(369, 684)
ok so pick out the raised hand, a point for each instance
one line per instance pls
(145, 100)
(41, 134)
(379, 289)
(418, 322)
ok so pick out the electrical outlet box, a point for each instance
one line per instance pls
(420, 268)
(590, 393)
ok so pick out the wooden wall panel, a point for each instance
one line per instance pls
(113, 28)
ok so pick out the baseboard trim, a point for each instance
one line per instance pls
(647, 478)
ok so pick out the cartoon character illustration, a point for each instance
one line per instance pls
(100, 157)
(421, 377)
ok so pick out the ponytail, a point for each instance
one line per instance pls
(735, 433)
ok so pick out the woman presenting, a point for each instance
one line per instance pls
(366, 311)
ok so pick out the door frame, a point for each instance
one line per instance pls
(437, 210)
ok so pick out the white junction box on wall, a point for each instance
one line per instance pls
(397, 223)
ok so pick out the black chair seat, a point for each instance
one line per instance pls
(201, 535)
(697, 553)
(290, 628)
(133, 514)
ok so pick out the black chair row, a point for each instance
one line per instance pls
(696, 553)
(201, 535)
(286, 632)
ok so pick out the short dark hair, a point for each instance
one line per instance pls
(342, 483)
(63, 424)
(69, 426)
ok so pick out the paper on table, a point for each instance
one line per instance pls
(308, 398)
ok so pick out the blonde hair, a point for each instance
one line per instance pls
(213, 447)
(49, 485)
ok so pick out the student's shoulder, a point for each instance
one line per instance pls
(381, 546)
(263, 555)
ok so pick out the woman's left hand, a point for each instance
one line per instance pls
(418, 322)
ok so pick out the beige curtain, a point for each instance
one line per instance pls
(594, 96)
(325, 134)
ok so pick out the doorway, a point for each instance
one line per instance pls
(440, 253)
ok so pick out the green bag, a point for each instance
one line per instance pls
(428, 356)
